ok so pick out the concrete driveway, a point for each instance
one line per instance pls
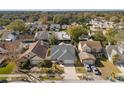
(70, 73)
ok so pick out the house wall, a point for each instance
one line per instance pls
(79, 47)
(89, 62)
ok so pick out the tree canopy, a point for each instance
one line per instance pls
(120, 35)
(76, 31)
(110, 36)
(17, 25)
(98, 36)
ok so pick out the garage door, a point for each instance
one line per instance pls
(69, 62)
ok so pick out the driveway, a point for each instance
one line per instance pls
(70, 73)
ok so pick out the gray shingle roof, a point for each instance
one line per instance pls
(63, 52)
(43, 35)
(109, 50)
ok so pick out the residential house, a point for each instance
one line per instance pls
(64, 26)
(120, 25)
(116, 50)
(25, 43)
(87, 58)
(3, 51)
(43, 35)
(1, 27)
(10, 36)
(42, 27)
(64, 53)
(62, 36)
(55, 27)
(92, 47)
(36, 52)
(84, 37)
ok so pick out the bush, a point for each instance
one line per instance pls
(45, 63)
(25, 65)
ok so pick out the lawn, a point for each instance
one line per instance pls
(55, 68)
(79, 67)
(7, 70)
(108, 68)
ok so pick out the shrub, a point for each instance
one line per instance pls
(45, 63)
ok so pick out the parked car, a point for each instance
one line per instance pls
(87, 67)
(120, 78)
(3, 81)
(95, 70)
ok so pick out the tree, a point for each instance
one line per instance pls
(98, 37)
(110, 36)
(115, 58)
(45, 63)
(114, 19)
(17, 25)
(120, 36)
(4, 22)
(76, 31)
(53, 40)
(60, 19)
(44, 19)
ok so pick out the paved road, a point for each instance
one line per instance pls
(70, 73)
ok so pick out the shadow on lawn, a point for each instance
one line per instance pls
(98, 63)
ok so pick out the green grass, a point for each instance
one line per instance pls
(79, 67)
(1, 35)
(7, 70)
(54, 67)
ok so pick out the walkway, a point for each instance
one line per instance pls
(70, 73)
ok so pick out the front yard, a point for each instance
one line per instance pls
(7, 70)
(107, 69)
(79, 67)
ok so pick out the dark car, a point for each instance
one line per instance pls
(3, 81)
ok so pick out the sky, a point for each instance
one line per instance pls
(61, 4)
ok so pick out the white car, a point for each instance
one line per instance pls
(95, 70)
(87, 67)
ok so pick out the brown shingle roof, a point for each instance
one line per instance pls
(86, 56)
(39, 48)
(92, 44)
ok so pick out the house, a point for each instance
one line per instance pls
(87, 58)
(1, 27)
(120, 25)
(36, 52)
(116, 50)
(3, 51)
(42, 27)
(63, 52)
(55, 27)
(62, 36)
(43, 35)
(84, 37)
(9, 36)
(93, 47)
(25, 43)
(64, 26)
